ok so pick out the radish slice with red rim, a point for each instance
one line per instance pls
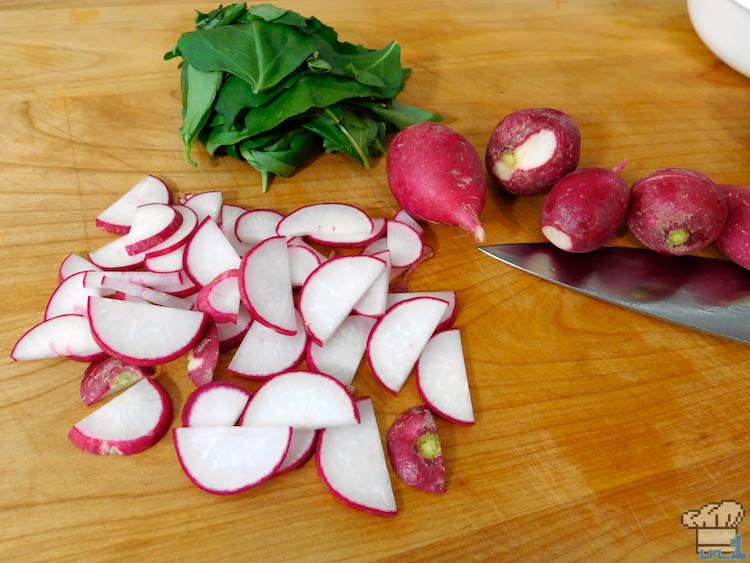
(153, 224)
(111, 283)
(404, 243)
(204, 357)
(113, 256)
(351, 240)
(206, 204)
(118, 217)
(130, 423)
(231, 334)
(373, 302)
(341, 355)
(221, 297)
(143, 334)
(257, 225)
(266, 285)
(215, 404)
(66, 335)
(448, 296)
(441, 378)
(73, 264)
(209, 254)
(376, 247)
(167, 263)
(351, 462)
(229, 216)
(302, 262)
(107, 376)
(324, 219)
(265, 353)
(331, 292)
(301, 449)
(179, 238)
(71, 297)
(399, 337)
(403, 217)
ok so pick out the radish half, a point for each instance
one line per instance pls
(129, 424)
(215, 404)
(72, 264)
(373, 302)
(257, 225)
(302, 262)
(325, 219)
(331, 292)
(208, 254)
(266, 285)
(404, 244)
(221, 297)
(66, 335)
(449, 296)
(351, 240)
(224, 461)
(118, 217)
(441, 378)
(351, 463)
(403, 217)
(71, 297)
(104, 282)
(231, 334)
(114, 256)
(399, 337)
(303, 400)
(167, 263)
(301, 449)
(265, 352)
(179, 238)
(107, 376)
(229, 216)
(206, 204)
(153, 224)
(341, 355)
(143, 334)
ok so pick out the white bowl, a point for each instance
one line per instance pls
(724, 26)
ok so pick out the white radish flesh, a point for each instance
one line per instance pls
(341, 355)
(209, 254)
(257, 225)
(442, 380)
(449, 296)
(215, 404)
(206, 204)
(373, 302)
(349, 240)
(118, 217)
(167, 263)
(221, 297)
(302, 262)
(179, 238)
(300, 449)
(404, 244)
(72, 264)
(66, 335)
(403, 217)
(399, 337)
(153, 224)
(71, 297)
(106, 282)
(351, 462)
(114, 256)
(231, 334)
(324, 219)
(229, 216)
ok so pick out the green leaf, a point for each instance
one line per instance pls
(399, 115)
(344, 131)
(259, 52)
(316, 64)
(282, 157)
(271, 13)
(378, 68)
(200, 91)
(220, 16)
(236, 95)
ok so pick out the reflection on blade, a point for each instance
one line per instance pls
(709, 295)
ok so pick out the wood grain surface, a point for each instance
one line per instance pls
(596, 427)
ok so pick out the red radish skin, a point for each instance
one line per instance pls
(415, 452)
(202, 359)
(531, 149)
(436, 175)
(584, 209)
(153, 224)
(109, 375)
(676, 211)
(232, 334)
(179, 238)
(734, 240)
(204, 297)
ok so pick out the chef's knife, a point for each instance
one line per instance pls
(705, 294)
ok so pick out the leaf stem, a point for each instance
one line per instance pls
(362, 155)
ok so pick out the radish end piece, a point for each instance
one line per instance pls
(557, 237)
(428, 446)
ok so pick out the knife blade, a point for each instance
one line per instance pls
(705, 294)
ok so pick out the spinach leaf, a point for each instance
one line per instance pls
(344, 131)
(399, 115)
(259, 52)
(283, 157)
(220, 16)
(271, 13)
(236, 95)
(200, 91)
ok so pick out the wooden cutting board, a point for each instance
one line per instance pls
(596, 427)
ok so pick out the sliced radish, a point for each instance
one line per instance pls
(113, 256)
(167, 263)
(179, 238)
(202, 359)
(351, 463)
(303, 400)
(324, 219)
(404, 243)
(209, 254)
(376, 246)
(231, 334)
(118, 217)
(107, 376)
(229, 216)
(160, 281)
(105, 282)
(186, 288)
(449, 296)
(71, 297)
(153, 224)
(129, 424)
(66, 335)
(143, 334)
(406, 273)
(230, 460)
(300, 241)
(257, 225)
(125, 297)
(221, 297)
(373, 302)
(206, 204)
(302, 262)
(441, 378)
(341, 355)
(266, 285)
(352, 240)
(265, 353)
(215, 404)
(301, 449)
(72, 264)
(399, 337)
(403, 217)
(331, 292)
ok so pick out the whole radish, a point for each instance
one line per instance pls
(531, 149)
(436, 175)
(584, 209)
(734, 240)
(676, 211)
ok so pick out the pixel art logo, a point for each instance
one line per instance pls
(715, 526)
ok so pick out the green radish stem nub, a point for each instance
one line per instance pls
(678, 237)
(428, 446)
(508, 159)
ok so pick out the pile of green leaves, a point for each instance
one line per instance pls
(272, 87)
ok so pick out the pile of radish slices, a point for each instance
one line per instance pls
(202, 277)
